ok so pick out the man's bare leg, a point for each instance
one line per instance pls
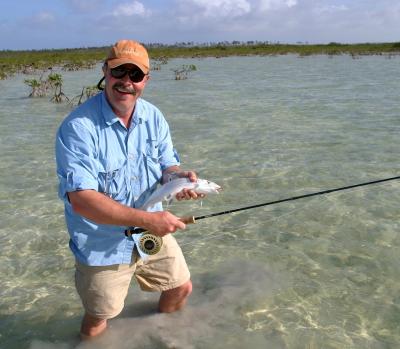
(170, 301)
(92, 326)
(174, 299)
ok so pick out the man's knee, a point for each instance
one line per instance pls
(185, 290)
(179, 293)
(174, 299)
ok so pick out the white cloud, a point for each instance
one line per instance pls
(194, 12)
(133, 8)
(331, 9)
(217, 8)
(266, 5)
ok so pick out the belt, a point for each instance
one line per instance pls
(130, 231)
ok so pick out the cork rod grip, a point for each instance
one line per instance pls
(188, 220)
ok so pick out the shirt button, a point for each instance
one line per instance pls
(132, 156)
(134, 178)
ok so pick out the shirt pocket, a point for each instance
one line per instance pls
(112, 182)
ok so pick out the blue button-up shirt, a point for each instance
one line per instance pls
(94, 150)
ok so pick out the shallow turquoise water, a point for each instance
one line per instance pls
(314, 273)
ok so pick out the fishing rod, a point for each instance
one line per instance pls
(293, 198)
(151, 244)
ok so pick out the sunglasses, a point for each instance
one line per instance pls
(136, 75)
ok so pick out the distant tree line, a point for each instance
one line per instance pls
(12, 62)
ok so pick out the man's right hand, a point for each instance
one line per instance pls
(162, 223)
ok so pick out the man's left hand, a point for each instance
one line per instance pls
(187, 194)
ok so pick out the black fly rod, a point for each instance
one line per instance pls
(293, 198)
(151, 244)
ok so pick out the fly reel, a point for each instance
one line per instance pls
(150, 244)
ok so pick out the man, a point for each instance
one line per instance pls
(111, 152)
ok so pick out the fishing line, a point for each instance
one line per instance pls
(218, 233)
(293, 198)
(336, 192)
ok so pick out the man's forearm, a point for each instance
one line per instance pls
(103, 210)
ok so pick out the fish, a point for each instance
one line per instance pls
(167, 192)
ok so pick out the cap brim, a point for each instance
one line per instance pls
(113, 63)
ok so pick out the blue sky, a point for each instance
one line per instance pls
(39, 24)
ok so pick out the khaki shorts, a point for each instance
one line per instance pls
(103, 289)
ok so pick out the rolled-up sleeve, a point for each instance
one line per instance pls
(77, 164)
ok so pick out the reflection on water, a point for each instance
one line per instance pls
(314, 273)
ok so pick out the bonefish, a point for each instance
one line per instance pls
(168, 191)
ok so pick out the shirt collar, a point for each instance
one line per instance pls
(108, 114)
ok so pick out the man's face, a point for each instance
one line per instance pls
(122, 92)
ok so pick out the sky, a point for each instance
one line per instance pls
(46, 24)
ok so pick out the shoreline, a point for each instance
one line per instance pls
(30, 61)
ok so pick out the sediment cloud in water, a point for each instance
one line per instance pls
(214, 316)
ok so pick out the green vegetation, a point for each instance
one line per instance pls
(53, 84)
(264, 48)
(12, 62)
(28, 62)
(158, 62)
(56, 82)
(38, 87)
(182, 72)
(86, 93)
(41, 87)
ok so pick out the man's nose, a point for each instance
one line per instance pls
(126, 78)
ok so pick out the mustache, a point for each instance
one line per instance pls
(120, 87)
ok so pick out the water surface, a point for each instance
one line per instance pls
(314, 273)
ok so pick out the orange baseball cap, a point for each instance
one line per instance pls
(129, 51)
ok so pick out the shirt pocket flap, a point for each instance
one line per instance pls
(112, 180)
(152, 150)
